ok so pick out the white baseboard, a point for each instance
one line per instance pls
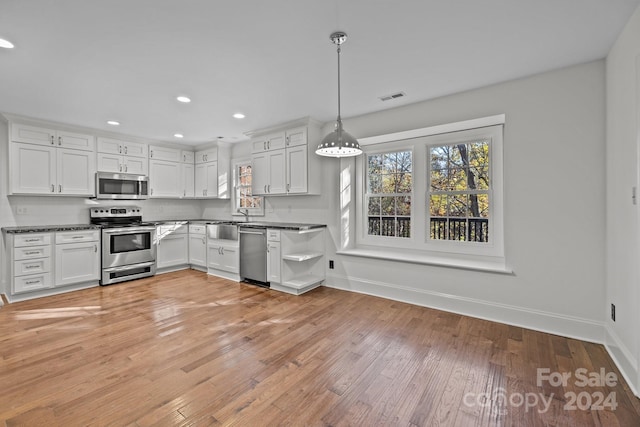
(622, 357)
(553, 323)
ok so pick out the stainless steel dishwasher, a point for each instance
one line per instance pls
(253, 255)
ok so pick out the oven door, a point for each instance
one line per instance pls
(128, 245)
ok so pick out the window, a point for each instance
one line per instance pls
(388, 195)
(433, 192)
(459, 191)
(244, 200)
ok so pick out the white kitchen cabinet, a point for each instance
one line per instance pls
(269, 173)
(29, 262)
(48, 170)
(198, 245)
(208, 155)
(188, 180)
(206, 180)
(188, 157)
(274, 257)
(296, 169)
(172, 245)
(223, 257)
(165, 179)
(52, 137)
(122, 156)
(77, 257)
(283, 163)
(164, 153)
(302, 253)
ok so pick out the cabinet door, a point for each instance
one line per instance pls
(201, 180)
(198, 249)
(76, 141)
(212, 179)
(139, 165)
(208, 155)
(297, 136)
(75, 172)
(135, 149)
(109, 162)
(173, 250)
(277, 176)
(214, 257)
(188, 180)
(164, 153)
(259, 173)
(109, 146)
(273, 262)
(33, 169)
(188, 157)
(164, 179)
(230, 260)
(297, 169)
(77, 263)
(32, 134)
(276, 141)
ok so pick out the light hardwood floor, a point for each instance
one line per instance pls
(186, 349)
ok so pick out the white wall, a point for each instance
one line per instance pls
(554, 207)
(623, 92)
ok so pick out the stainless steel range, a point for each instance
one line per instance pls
(128, 244)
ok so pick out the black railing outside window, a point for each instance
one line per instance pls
(460, 229)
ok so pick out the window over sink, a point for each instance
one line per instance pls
(244, 202)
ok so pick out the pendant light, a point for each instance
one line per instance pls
(339, 143)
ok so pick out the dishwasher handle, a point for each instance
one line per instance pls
(259, 233)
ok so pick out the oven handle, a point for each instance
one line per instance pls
(129, 267)
(127, 230)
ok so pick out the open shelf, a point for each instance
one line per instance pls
(302, 256)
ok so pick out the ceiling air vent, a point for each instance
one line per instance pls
(392, 96)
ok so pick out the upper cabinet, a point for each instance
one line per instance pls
(282, 162)
(208, 155)
(165, 172)
(51, 162)
(122, 156)
(52, 137)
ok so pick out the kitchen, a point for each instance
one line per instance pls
(562, 281)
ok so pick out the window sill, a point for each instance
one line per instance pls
(415, 257)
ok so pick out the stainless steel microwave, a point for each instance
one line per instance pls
(122, 186)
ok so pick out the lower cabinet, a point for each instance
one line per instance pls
(173, 245)
(197, 245)
(274, 257)
(225, 258)
(77, 257)
(41, 262)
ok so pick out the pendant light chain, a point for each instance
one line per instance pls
(339, 51)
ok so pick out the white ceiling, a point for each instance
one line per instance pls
(84, 62)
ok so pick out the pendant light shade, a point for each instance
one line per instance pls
(339, 143)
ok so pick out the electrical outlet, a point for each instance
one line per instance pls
(613, 312)
(330, 264)
(21, 210)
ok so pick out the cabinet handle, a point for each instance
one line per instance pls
(288, 187)
(151, 154)
(268, 144)
(120, 168)
(269, 188)
(265, 188)
(184, 193)
(53, 188)
(77, 237)
(125, 149)
(287, 140)
(126, 168)
(120, 149)
(152, 191)
(52, 143)
(264, 144)
(204, 242)
(32, 282)
(59, 140)
(95, 248)
(32, 240)
(32, 252)
(59, 188)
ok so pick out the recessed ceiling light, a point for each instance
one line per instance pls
(178, 135)
(6, 44)
(113, 123)
(239, 116)
(183, 99)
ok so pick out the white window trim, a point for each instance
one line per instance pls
(235, 210)
(470, 255)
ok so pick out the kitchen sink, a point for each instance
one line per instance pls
(223, 231)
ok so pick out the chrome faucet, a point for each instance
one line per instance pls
(245, 212)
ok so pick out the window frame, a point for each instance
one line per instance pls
(235, 202)
(419, 142)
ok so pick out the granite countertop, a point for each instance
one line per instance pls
(49, 228)
(280, 225)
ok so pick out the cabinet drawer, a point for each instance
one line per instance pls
(273, 235)
(31, 252)
(30, 283)
(28, 239)
(31, 266)
(77, 236)
(166, 230)
(197, 229)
